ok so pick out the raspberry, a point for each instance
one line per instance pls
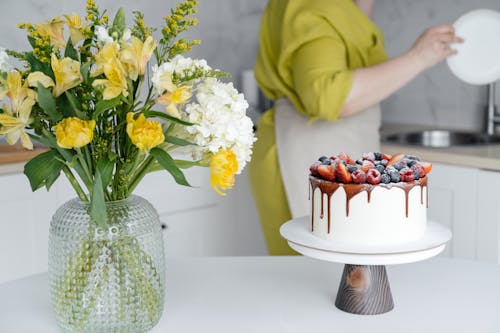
(314, 168)
(368, 156)
(385, 178)
(420, 170)
(373, 177)
(359, 177)
(406, 175)
(367, 165)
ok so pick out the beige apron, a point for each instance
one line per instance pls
(299, 144)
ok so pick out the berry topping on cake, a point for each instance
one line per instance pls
(385, 178)
(419, 169)
(344, 157)
(427, 166)
(352, 168)
(373, 177)
(368, 156)
(367, 165)
(407, 175)
(314, 168)
(343, 175)
(327, 172)
(395, 159)
(378, 156)
(359, 177)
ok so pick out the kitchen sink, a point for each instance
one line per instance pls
(441, 138)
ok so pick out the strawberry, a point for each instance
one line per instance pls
(327, 172)
(367, 165)
(373, 177)
(343, 174)
(427, 166)
(314, 168)
(386, 156)
(395, 159)
(344, 157)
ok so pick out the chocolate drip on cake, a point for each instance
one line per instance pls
(328, 188)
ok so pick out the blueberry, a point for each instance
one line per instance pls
(383, 162)
(322, 159)
(326, 162)
(398, 166)
(385, 178)
(412, 157)
(417, 176)
(378, 156)
(390, 168)
(394, 174)
(360, 162)
(411, 163)
(380, 168)
(352, 168)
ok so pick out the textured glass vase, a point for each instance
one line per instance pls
(107, 281)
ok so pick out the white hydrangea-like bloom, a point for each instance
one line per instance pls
(102, 35)
(183, 67)
(4, 61)
(221, 121)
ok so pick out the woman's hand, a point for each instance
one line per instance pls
(433, 46)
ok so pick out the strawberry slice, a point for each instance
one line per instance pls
(346, 158)
(314, 168)
(327, 172)
(343, 174)
(386, 156)
(427, 166)
(395, 159)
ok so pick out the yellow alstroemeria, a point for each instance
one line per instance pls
(35, 78)
(115, 82)
(135, 56)
(67, 74)
(17, 116)
(74, 132)
(109, 52)
(53, 29)
(177, 96)
(144, 134)
(75, 27)
(223, 167)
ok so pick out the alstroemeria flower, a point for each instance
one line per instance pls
(17, 116)
(67, 74)
(53, 29)
(115, 82)
(108, 53)
(38, 77)
(223, 167)
(74, 132)
(177, 96)
(144, 134)
(75, 28)
(136, 55)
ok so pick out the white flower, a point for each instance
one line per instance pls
(221, 122)
(102, 35)
(4, 61)
(127, 34)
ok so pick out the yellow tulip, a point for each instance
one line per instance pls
(74, 132)
(136, 55)
(75, 28)
(144, 134)
(177, 96)
(115, 82)
(223, 167)
(54, 29)
(17, 116)
(67, 74)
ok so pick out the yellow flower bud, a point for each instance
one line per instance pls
(223, 167)
(144, 134)
(74, 132)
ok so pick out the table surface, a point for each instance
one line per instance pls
(291, 294)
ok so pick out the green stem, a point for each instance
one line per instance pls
(137, 177)
(79, 191)
(85, 167)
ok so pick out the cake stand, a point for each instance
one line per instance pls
(364, 287)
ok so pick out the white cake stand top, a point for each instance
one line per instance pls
(300, 238)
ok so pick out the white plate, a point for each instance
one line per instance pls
(297, 231)
(478, 57)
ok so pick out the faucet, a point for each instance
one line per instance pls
(492, 117)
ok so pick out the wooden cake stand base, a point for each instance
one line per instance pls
(364, 287)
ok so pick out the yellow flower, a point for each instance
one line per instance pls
(67, 74)
(53, 29)
(16, 117)
(115, 82)
(38, 77)
(108, 53)
(177, 96)
(136, 55)
(75, 28)
(144, 134)
(223, 167)
(74, 132)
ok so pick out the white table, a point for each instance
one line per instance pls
(291, 294)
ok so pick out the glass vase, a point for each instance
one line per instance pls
(107, 280)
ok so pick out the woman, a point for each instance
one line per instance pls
(324, 65)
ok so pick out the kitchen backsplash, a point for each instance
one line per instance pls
(229, 28)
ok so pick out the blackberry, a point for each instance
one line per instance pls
(385, 178)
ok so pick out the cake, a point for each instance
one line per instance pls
(378, 199)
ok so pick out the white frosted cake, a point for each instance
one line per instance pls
(377, 200)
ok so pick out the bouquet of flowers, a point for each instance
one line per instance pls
(109, 116)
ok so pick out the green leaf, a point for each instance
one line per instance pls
(43, 170)
(97, 205)
(47, 103)
(104, 105)
(151, 114)
(183, 164)
(38, 66)
(74, 105)
(85, 70)
(70, 51)
(105, 167)
(118, 23)
(168, 163)
(32, 42)
(178, 141)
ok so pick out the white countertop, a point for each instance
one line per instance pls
(291, 295)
